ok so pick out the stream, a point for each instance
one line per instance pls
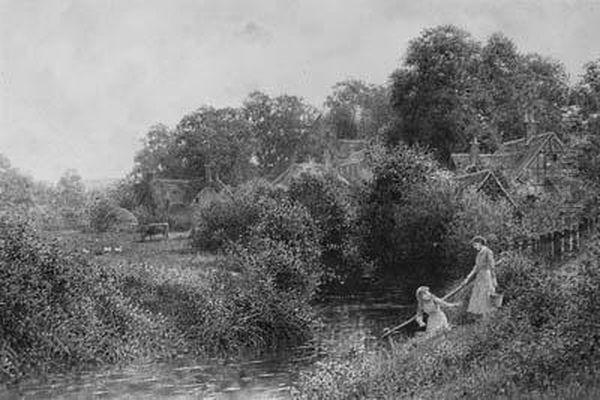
(351, 321)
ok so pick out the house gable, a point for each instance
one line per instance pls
(532, 160)
(487, 182)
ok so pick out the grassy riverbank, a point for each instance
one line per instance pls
(544, 343)
(75, 300)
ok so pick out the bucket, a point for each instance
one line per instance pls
(496, 299)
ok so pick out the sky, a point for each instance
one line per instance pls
(81, 81)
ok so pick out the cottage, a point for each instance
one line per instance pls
(487, 182)
(530, 164)
(294, 170)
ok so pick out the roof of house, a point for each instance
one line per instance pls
(479, 179)
(206, 196)
(296, 169)
(513, 156)
(534, 147)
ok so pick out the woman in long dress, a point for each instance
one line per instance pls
(485, 279)
(431, 304)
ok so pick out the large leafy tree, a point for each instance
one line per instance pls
(356, 109)
(282, 128)
(587, 103)
(437, 91)
(217, 138)
(70, 197)
(155, 157)
(451, 88)
(16, 189)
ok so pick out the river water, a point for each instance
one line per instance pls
(352, 321)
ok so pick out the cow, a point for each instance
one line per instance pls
(154, 229)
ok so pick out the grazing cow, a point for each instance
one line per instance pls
(155, 229)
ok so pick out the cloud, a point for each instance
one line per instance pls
(254, 33)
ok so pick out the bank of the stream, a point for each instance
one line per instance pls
(544, 343)
(349, 324)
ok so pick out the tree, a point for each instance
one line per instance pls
(70, 197)
(587, 103)
(436, 93)
(543, 89)
(155, 156)
(357, 109)
(281, 127)
(403, 214)
(215, 138)
(500, 64)
(16, 189)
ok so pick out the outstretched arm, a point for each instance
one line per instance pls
(444, 303)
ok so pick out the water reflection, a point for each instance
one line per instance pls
(352, 321)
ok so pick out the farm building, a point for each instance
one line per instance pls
(345, 159)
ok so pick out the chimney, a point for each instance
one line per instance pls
(474, 151)
(208, 173)
(530, 125)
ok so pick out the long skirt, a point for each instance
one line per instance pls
(436, 322)
(480, 301)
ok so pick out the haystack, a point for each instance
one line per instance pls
(122, 220)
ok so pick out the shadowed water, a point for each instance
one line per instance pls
(350, 321)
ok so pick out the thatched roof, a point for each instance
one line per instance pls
(296, 169)
(120, 218)
(207, 196)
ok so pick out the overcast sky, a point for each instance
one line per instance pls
(82, 81)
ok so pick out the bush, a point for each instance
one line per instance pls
(101, 214)
(229, 220)
(252, 300)
(327, 201)
(60, 312)
(404, 212)
(477, 215)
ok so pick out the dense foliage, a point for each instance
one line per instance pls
(404, 212)
(477, 214)
(329, 203)
(229, 219)
(451, 87)
(59, 311)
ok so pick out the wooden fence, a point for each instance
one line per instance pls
(560, 243)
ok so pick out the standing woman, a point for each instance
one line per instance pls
(485, 279)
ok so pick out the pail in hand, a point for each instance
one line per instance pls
(496, 299)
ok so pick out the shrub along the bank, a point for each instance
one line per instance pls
(477, 214)
(545, 340)
(404, 212)
(58, 311)
(328, 201)
(229, 219)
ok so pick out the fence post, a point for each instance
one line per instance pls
(556, 244)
